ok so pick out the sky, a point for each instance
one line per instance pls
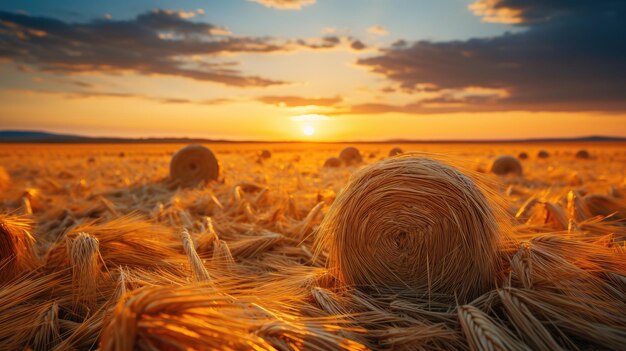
(327, 70)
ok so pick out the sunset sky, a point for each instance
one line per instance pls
(315, 69)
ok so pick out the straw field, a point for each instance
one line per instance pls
(313, 247)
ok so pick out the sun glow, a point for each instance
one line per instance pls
(308, 130)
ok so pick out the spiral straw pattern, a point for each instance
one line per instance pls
(412, 224)
(194, 163)
(506, 165)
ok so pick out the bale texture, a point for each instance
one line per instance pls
(350, 155)
(506, 165)
(522, 156)
(412, 224)
(194, 163)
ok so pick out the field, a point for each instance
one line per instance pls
(99, 249)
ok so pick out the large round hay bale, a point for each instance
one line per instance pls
(506, 165)
(522, 156)
(395, 151)
(332, 162)
(415, 225)
(194, 163)
(543, 154)
(583, 154)
(350, 155)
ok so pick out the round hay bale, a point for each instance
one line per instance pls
(194, 163)
(522, 156)
(583, 154)
(415, 225)
(395, 151)
(350, 155)
(265, 154)
(543, 154)
(332, 162)
(506, 165)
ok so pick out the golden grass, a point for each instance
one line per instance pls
(413, 252)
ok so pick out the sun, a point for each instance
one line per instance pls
(308, 130)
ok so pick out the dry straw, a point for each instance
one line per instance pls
(506, 165)
(350, 155)
(194, 163)
(411, 223)
(17, 252)
(84, 254)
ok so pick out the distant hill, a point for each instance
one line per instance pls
(24, 136)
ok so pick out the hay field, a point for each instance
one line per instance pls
(99, 249)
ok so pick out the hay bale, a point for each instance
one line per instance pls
(522, 156)
(332, 162)
(350, 155)
(583, 154)
(265, 154)
(415, 225)
(543, 154)
(506, 165)
(395, 151)
(194, 163)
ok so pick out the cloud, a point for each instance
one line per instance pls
(162, 42)
(297, 101)
(285, 4)
(378, 30)
(567, 56)
(158, 42)
(108, 94)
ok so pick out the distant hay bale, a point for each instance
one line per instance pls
(194, 163)
(522, 156)
(583, 154)
(395, 151)
(350, 155)
(506, 165)
(332, 162)
(265, 154)
(543, 154)
(412, 224)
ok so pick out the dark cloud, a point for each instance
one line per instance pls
(357, 45)
(567, 56)
(107, 94)
(159, 42)
(295, 101)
